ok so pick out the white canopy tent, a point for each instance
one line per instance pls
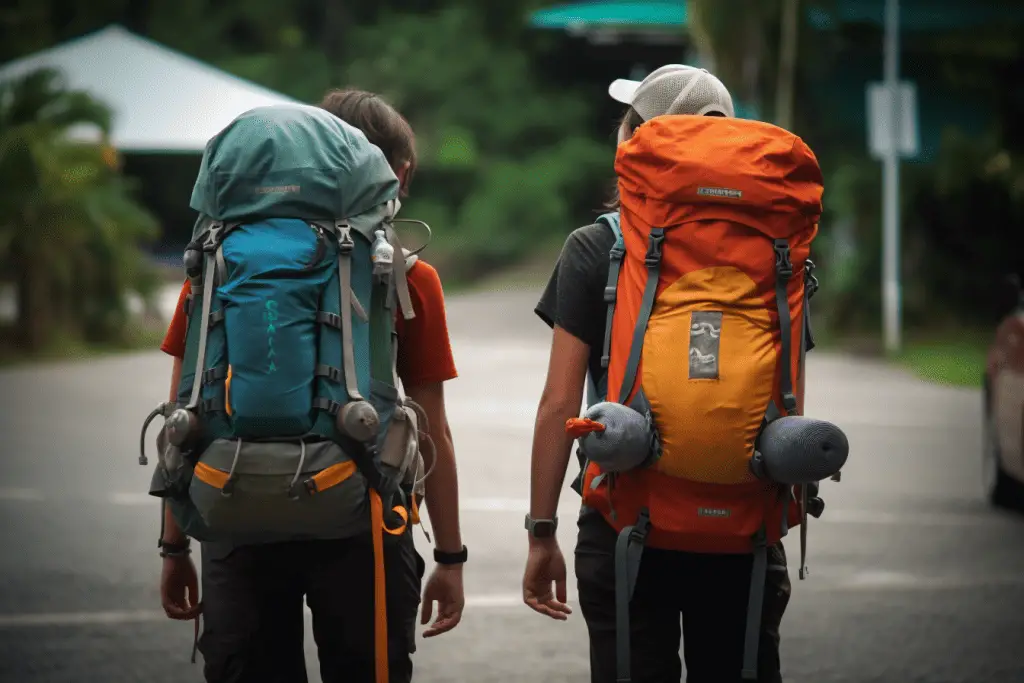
(163, 101)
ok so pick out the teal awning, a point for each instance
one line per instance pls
(638, 13)
(917, 15)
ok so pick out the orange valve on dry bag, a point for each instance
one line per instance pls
(614, 436)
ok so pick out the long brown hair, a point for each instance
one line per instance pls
(629, 122)
(380, 122)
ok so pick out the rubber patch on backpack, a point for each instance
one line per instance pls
(705, 329)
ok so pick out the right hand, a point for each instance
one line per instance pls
(179, 588)
(544, 566)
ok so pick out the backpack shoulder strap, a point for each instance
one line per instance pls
(611, 285)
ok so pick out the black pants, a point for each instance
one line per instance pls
(699, 598)
(253, 614)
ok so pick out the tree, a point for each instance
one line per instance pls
(69, 229)
(731, 37)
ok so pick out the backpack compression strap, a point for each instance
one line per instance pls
(612, 284)
(399, 274)
(783, 272)
(629, 549)
(759, 572)
(347, 303)
(211, 261)
(653, 263)
(597, 390)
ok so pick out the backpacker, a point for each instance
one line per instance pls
(712, 243)
(290, 422)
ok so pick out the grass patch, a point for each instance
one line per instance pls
(951, 357)
(958, 362)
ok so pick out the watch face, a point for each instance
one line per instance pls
(543, 529)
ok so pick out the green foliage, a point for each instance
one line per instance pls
(510, 162)
(957, 361)
(69, 231)
(519, 155)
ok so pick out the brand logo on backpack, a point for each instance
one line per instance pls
(270, 316)
(705, 331)
(720, 192)
(713, 512)
(278, 189)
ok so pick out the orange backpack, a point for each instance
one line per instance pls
(717, 219)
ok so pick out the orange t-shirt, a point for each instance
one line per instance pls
(424, 349)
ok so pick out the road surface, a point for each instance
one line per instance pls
(912, 578)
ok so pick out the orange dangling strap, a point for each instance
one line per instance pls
(380, 620)
(401, 512)
(227, 392)
(415, 514)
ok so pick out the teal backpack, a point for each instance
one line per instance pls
(290, 418)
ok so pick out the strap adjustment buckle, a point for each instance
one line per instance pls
(345, 242)
(783, 266)
(789, 402)
(638, 534)
(213, 237)
(653, 257)
(609, 294)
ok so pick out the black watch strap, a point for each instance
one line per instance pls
(174, 549)
(451, 558)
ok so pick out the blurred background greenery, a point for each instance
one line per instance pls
(515, 135)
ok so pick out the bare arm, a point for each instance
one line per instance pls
(561, 400)
(172, 532)
(442, 487)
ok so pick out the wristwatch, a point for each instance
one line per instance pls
(442, 557)
(174, 549)
(541, 528)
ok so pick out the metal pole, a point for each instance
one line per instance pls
(891, 180)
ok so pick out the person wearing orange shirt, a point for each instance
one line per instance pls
(252, 595)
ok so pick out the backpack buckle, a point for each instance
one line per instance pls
(653, 257)
(639, 532)
(345, 242)
(783, 266)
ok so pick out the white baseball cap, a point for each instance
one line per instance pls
(674, 89)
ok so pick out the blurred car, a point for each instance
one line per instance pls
(1003, 428)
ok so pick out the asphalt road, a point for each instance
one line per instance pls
(913, 579)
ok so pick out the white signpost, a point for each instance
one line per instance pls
(892, 134)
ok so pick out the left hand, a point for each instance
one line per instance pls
(444, 586)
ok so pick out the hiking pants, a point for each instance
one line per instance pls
(253, 615)
(699, 598)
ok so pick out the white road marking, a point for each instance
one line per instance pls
(942, 519)
(881, 580)
(124, 498)
(80, 618)
(21, 495)
(119, 617)
(876, 580)
(570, 506)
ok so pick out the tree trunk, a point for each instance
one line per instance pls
(787, 64)
(336, 22)
(35, 326)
